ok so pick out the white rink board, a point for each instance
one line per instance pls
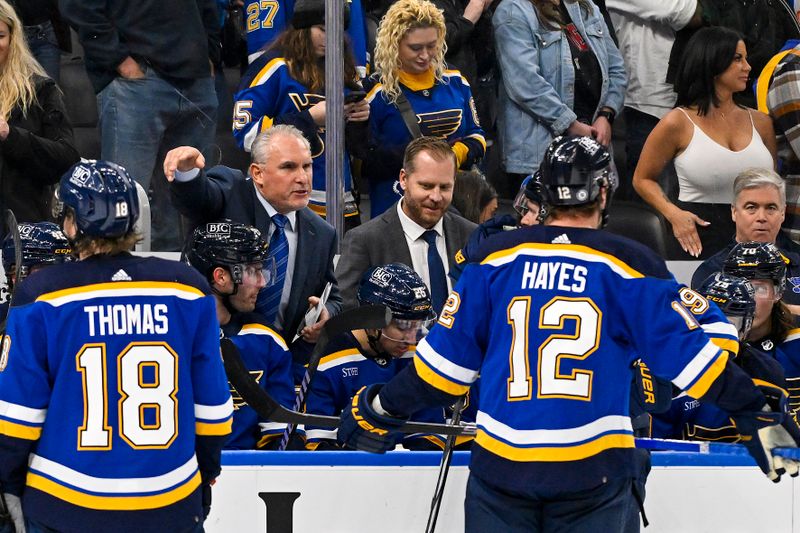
(390, 496)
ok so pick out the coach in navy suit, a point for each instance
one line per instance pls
(279, 182)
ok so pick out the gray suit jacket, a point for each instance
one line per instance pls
(381, 241)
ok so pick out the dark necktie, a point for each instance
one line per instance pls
(436, 272)
(269, 299)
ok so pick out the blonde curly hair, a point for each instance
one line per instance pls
(402, 17)
(17, 87)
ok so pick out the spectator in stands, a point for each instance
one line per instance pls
(468, 24)
(646, 30)
(417, 231)
(561, 73)
(363, 357)
(273, 199)
(413, 94)
(778, 93)
(150, 62)
(286, 85)
(758, 209)
(46, 33)
(231, 257)
(711, 139)
(35, 133)
(474, 198)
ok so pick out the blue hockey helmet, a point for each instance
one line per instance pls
(735, 296)
(574, 170)
(757, 260)
(400, 289)
(103, 197)
(226, 244)
(530, 191)
(43, 243)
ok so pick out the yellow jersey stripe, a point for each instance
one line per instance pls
(705, 381)
(437, 381)
(121, 288)
(220, 429)
(113, 503)
(267, 71)
(261, 329)
(726, 344)
(575, 251)
(20, 431)
(553, 453)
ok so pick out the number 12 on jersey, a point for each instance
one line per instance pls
(551, 383)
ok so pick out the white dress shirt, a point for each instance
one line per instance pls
(419, 247)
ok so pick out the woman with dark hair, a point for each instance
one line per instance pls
(286, 85)
(711, 140)
(474, 197)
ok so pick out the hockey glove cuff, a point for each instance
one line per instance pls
(363, 428)
(772, 427)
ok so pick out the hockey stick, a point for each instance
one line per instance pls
(444, 467)
(268, 408)
(708, 447)
(367, 317)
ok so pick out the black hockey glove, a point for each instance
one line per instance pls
(206, 488)
(772, 427)
(363, 428)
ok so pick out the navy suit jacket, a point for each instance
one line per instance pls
(381, 241)
(224, 192)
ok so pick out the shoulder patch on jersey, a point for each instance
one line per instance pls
(335, 359)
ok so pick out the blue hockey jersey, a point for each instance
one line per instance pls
(553, 319)
(266, 19)
(788, 355)
(273, 96)
(269, 361)
(342, 372)
(113, 396)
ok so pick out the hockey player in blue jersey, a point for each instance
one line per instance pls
(114, 404)
(552, 320)
(775, 329)
(363, 357)
(43, 243)
(231, 256)
(691, 419)
(286, 85)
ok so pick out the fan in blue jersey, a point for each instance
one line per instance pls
(286, 85)
(362, 357)
(232, 258)
(114, 405)
(411, 73)
(775, 329)
(552, 319)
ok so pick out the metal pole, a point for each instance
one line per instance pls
(334, 115)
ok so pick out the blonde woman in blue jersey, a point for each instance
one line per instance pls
(409, 63)
(286, 85)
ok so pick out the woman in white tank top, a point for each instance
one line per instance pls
(710, 138)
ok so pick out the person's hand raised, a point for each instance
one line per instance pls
(184, 159)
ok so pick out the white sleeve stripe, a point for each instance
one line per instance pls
(721, 328)
(113, 485)
(575, 435)
(447, 368)
(697, 365)
(321, 434)
(22, 413)
(251, 135)
(214, 412)
(271, 426)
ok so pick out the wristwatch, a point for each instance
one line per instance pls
(608, 113)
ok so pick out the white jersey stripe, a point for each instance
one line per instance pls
(448, 368)
(22, 413)
(214, 412)
(721, 328)
(558, 252)
(696, 366)
(340, 361)
(138, 486)
(545, 437)
(261, 330)
(122, 292)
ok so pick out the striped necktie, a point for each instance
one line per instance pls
(269, 299)
(436, 272)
